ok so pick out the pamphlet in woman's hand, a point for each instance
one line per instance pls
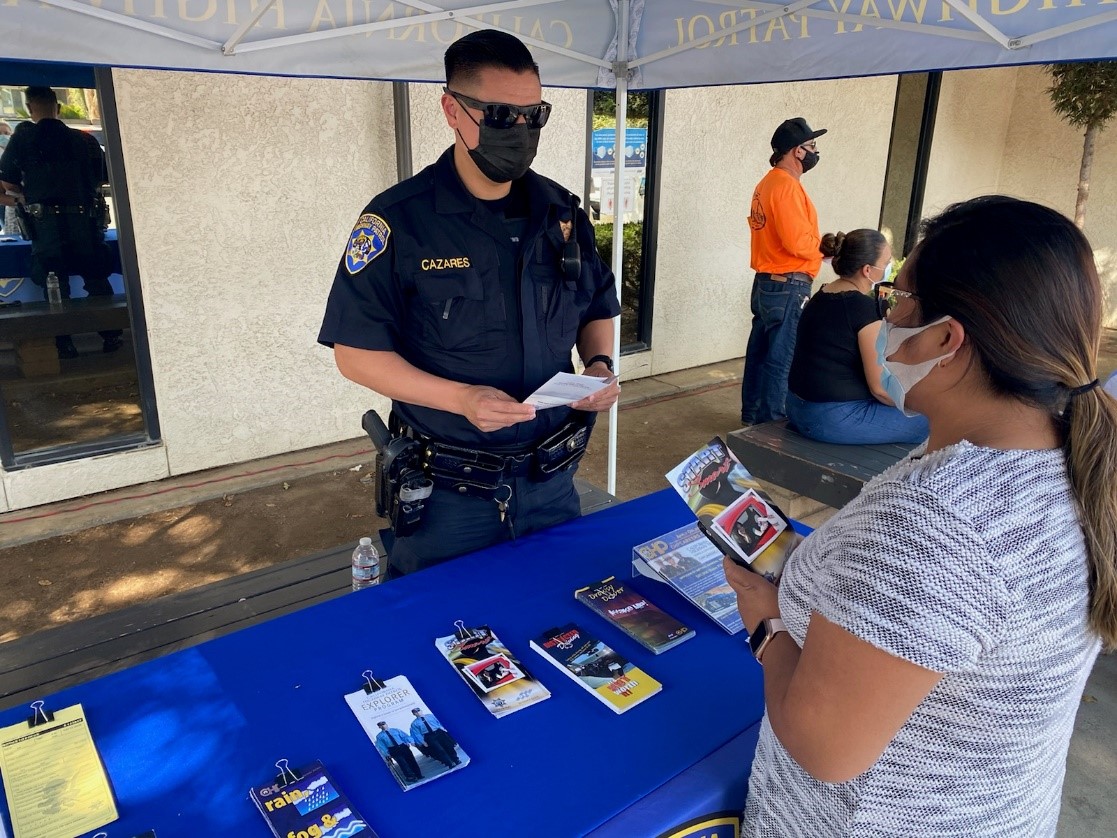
(566, 388)
(733, 511)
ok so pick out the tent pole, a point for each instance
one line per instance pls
(230, 46)
(620, 70)
(401, 101)
(132, 23)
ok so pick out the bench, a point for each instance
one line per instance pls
(829, 473)
(52, 659)
(33, 326)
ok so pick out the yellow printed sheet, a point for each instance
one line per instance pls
(53, 777)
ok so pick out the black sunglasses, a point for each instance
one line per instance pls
(888, 296)
(500, 115)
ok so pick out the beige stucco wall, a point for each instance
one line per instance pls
(971, 129)
(997, 132)
(243, 190)
(1042, 156)
(715, 149)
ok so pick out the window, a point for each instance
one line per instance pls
(913, 126)
(636, 200)
(75, 374)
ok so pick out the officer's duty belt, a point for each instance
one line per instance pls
(470, 471)
(40, 210)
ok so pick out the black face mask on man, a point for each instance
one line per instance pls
(810, 160)
(504, 154)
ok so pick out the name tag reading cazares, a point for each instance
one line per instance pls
(444, 264)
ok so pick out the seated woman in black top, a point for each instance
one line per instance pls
(834, 389)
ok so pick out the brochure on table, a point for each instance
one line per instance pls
(634, 614)
(691, 564)
(597, 668)
(410, 739)
(53, 776)
(495, 675)
(307, 801)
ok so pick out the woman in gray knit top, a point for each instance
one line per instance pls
(927, 647)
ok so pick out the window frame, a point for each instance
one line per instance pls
(12, 461)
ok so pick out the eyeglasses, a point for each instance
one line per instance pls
(888, 297)
(500, 115)
(811, 146)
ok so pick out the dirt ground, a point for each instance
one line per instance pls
(93, 571)
(59, 580)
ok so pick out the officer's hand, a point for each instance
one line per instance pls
(604, 398)
(490, 409)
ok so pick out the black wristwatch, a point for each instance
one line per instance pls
(605, 359)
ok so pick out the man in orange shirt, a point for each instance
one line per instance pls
(786, 258)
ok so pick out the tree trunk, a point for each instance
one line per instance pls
(92, 106)
(1084, 176)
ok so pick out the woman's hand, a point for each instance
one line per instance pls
(757, 598)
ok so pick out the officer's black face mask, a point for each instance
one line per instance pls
(504, 154)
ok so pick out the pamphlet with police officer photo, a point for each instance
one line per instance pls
(410, 739)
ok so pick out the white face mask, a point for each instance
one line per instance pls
(887, 272)
(898, 378)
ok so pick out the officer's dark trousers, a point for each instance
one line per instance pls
(72, 245)
(455, 524)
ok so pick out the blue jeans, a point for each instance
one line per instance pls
(854, 423)
(776, 307)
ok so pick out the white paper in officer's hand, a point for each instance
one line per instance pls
(566, 388)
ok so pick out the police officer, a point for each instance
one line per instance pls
(59, 170)
(465, 288)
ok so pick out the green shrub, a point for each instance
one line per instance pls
(631, 261)
(71, 112)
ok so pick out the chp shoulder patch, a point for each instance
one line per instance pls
(367, 241)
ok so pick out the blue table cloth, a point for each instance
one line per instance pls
(15, 268)
(183, 737)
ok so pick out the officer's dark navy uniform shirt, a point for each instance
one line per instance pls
(57, 165)
(453, 293)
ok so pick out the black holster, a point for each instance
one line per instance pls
(26, 222)
(101, 213)
(402, 484)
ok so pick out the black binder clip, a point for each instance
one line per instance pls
(39, 716)
(372, 683)
(285, 776)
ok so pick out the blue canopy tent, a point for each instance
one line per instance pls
(617, 44)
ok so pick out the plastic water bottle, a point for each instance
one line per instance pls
(366, 565)
(54, 292)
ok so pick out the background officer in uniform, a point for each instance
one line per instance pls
(453, 300)
(60, 171)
